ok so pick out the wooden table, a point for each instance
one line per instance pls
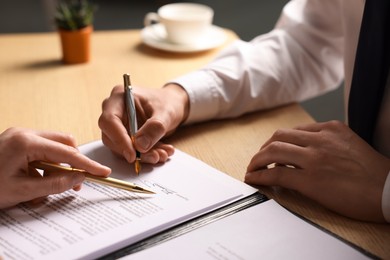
(38, 91)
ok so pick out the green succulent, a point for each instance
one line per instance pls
(73, 15)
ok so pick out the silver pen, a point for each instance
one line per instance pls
(132, 118)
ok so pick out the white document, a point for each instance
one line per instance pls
(264, 231)
(99, 219)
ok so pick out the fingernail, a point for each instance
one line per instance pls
(127, 155)
(247, 176)
(78, 179)
(101, 165)
(142, 143)
(149, 158)
(106, 167)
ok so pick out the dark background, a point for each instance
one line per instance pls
(248, 18)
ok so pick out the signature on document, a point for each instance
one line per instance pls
(162, 188)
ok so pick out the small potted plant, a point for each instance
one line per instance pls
(74, 19)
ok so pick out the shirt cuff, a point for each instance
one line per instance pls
(203, 95)
(386, 199)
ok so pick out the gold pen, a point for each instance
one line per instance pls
(132, 118)
(47, 166)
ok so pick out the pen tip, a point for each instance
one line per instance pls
(137, 166)
(144, 190)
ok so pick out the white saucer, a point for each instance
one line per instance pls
(155, 36)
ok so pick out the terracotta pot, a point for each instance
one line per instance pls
(76, 46)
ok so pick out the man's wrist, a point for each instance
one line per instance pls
(182, 98)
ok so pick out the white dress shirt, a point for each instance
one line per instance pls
(309, 52)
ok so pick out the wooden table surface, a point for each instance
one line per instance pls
(38, 91)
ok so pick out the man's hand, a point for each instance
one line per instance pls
(328, 163)
(159, 112)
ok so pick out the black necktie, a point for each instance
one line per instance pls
(371, 68)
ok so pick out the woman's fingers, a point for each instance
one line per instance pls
(54, 183)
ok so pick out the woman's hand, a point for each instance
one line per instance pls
(21, 183)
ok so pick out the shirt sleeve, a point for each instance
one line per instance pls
(300, 58)
(386, 199)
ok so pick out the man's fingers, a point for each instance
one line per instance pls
(302, 135)
(168, 148)
(279, 153)
(159, 153)
(149, 134)
(115, 135)
(114, 129)
(286, 177)
(298, 137)
(124, 149)
(317, 127)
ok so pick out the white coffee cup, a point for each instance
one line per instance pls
(184, 23)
